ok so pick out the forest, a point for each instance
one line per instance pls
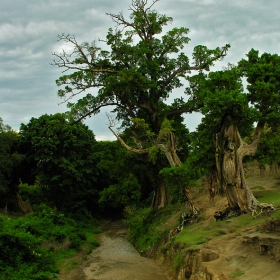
(57, 180)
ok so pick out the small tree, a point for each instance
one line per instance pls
(136, 75)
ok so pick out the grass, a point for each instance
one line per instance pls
(268, 196)
(197, 234)
(258, 188)
(238, 272)
(148, 228)
(178, 261)
(69, 265)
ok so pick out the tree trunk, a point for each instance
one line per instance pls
(161, 197)
(230, 150)
(169, 150)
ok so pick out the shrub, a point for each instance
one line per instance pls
(31, 246)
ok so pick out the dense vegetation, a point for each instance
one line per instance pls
(68, 177)
(32, 247)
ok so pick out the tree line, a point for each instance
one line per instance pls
(137, 74)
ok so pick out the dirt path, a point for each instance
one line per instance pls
(117, 259)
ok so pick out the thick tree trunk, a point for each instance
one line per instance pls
(169, 150)
(161, 197)
(230, 150)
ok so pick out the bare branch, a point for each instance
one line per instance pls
(137, 151)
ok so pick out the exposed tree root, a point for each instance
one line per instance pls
(258, 209)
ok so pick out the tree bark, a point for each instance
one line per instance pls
(161, 197)
(230, 150)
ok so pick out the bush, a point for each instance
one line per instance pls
(22, 256)
(31, 246)
(143, 226)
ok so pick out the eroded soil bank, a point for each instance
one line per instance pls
(117, 259)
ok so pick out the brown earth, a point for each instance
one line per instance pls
(250, 254)
(247, 254)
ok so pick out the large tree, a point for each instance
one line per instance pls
(136, 72)
(234, 113)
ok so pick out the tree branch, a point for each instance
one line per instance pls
(137, 151)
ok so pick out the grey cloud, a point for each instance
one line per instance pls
(29, 29)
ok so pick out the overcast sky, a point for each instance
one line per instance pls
(29, 29)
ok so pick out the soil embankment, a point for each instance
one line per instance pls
(239, 252)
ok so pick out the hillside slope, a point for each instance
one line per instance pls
(244, 247)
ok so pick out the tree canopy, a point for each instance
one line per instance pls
(10, 161)
(65, 160)
(137, 71)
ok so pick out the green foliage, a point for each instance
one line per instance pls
(32, 246)
(10, 161)
(177, 178)
(223, 98)
(62, 157)
(143, 128)
(268, 148)
(165, 129)
(263, 77)
(127, 178)
(238, 272)
(137, 72)
(144, 226)
(31, 193)
(124, 193)
(153, 154)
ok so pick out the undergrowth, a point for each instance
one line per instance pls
(33, 246)
(145, 227)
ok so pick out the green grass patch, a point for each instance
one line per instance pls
(197, 234)
(69, 265)
(268, 196)
(238, 272)
(178, 260)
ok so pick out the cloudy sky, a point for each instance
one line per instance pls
(29, 29)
